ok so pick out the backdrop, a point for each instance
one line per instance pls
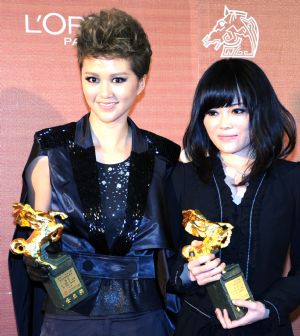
(40, 83)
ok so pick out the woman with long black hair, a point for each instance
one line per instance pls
(235, 143)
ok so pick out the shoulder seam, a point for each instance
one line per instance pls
(162, 146)
(55, 136)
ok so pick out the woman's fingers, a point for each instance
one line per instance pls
(205, 269)
(201, 261)
(256, 312)
(246, 303)
(196, 243)
(220, 317)
(224, 319)
(210, 276)
(206, 265)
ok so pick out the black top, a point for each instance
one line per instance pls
(113, 184)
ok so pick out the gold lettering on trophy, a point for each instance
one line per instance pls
(236, 289)
(68, 282)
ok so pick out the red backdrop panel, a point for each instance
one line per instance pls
(40, 82)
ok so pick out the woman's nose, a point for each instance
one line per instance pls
(105, 89)
(225, 120)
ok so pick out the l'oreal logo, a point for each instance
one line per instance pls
(53, 24)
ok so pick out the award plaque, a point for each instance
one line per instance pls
(215, 235)
(232, 285)
(65, 286)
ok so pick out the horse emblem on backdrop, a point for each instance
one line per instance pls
(236, 32)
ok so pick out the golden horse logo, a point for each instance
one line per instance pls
(236, 32)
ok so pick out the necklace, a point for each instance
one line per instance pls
(233, 177)
(237, 175)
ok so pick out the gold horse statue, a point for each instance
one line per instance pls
(45, 230)
(215, 234)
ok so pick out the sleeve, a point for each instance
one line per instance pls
(284, 296)
(175, 190)
(174, 186)
(28, 296)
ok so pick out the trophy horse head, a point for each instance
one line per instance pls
(215, 235)
(45, 229)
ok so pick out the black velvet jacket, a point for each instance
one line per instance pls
(266, 227)
(75, 191)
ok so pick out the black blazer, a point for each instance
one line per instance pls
(75, 191)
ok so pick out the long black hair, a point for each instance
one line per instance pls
(272, 127)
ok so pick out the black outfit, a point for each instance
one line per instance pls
(266, 224)
(119, 266)
(113, 184)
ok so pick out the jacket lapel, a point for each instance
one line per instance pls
(83, 159)
(141, 171)
(140, 177)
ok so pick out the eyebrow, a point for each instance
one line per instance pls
(231, 105)
(112, 75)
(241, 105)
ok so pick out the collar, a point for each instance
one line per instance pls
(83, 135)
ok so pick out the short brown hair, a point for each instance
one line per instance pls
(115, 34)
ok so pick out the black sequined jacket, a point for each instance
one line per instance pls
(75, 191)
(266, 228)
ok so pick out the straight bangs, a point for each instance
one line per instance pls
(215, 99)
(223, 85)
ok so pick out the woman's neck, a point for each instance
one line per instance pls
(237, 166)
(112, 141)
(235, 161)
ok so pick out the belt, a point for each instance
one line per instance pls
(114, 267)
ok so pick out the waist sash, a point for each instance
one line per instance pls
(114, 267)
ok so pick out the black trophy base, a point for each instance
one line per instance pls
(65, 286)
(232, 285)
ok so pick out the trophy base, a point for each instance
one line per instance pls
(232, 285)
(65, 286)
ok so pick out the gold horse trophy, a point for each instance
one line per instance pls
(65, 286)
(217, 235)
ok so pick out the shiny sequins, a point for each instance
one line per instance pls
(162, 146)
(55, 136)
(113, 181)
(141, 172)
